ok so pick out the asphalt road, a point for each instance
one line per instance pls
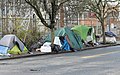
(102, 61)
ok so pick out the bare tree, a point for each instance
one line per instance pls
(51, 8)
(74, 9)
(102, 9)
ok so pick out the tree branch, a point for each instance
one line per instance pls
(46, 8)
(61, 3)
(38, 12)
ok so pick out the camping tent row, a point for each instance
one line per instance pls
(75, 35)
(10, 44)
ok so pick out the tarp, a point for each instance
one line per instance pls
(65, 45)
(3, 49)
(110, 34)
(74, 39)
(13, 44)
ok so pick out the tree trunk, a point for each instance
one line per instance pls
(61, 16)
(103, 32)
(52, 38)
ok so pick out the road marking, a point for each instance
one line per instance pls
(98, 55)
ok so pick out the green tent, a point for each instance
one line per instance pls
(74, 39)
(16, 50)
(12, 45)
(81, 30)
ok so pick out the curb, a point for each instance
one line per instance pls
(41, 54)
(100, 46)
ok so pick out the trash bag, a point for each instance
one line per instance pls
(56, 48)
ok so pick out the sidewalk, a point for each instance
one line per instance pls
(41, 54)
(118, 42)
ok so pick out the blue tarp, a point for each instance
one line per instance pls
(65, 45)
(110, 34)
(3, 50)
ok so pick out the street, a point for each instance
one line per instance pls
(101, 61)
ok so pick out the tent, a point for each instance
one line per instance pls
(12, 45)
(75, 40)
(84, 31)
(81, 30)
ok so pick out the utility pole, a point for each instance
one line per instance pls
(78, 18)
(2, 17)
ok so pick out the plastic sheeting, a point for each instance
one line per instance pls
(108, 39)
(57, 41)
(46, 47)
(3, 49)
